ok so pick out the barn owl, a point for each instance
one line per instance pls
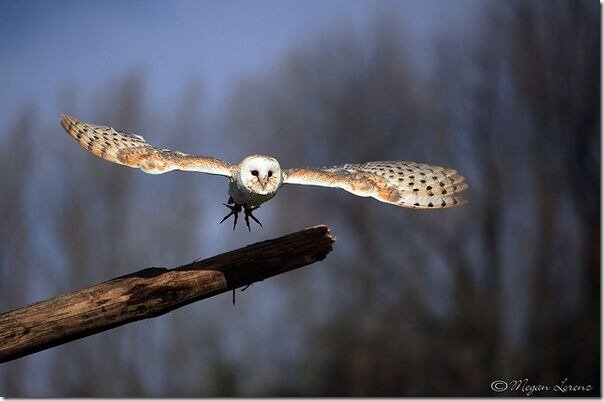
(257, 178)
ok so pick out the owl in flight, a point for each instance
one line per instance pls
(257, 179)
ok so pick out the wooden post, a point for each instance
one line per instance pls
(152, 292)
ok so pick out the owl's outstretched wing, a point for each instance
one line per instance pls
(132, 150)
(402, 183)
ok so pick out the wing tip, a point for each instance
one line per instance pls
(66, 120)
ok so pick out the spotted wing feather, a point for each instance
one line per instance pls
(132, 150)
(402, 183)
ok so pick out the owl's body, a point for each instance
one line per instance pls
(244, 196)
(256, 179)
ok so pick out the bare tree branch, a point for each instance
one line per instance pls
(152, 292)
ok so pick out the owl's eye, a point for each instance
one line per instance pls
(270, 173)
(255, 173)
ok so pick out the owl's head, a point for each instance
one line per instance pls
(260, 174)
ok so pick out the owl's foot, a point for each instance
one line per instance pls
(248, 213)
(236, 209)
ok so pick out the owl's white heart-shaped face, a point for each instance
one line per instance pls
(260, 174)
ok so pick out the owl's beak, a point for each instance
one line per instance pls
(263, 180)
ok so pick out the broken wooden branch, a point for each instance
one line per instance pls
(152, 292)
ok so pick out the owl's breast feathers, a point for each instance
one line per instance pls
(244, 196)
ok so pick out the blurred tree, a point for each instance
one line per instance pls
(17, 161)
(553, 52)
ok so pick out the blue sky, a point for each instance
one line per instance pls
(48, 46)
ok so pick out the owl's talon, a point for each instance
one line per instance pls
(248, 213)
(235, 209)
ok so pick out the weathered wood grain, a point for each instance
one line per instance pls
(152, 292)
